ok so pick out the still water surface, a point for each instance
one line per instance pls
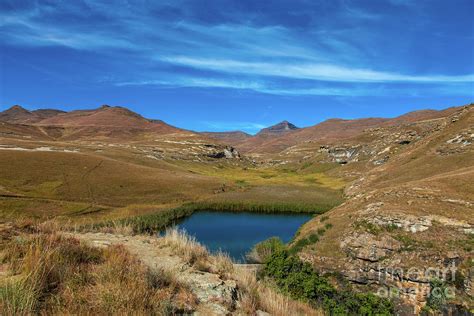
(236, 233)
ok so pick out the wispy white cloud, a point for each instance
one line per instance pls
(29, 32)
(270, 58)
(197, 82)
(274, 88)
(243, 84)
(321, 72)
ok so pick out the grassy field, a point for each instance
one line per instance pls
(90, 187)
(312, 175)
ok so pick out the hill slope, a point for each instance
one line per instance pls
(414, 210)
(330, 130)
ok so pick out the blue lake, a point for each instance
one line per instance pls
(236, 233)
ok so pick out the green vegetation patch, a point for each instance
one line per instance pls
(310, 240)
(262, 251)
(299, 280)
(262, 207)
(411, 244)
(149, 223)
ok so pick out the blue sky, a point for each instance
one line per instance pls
(225, 65)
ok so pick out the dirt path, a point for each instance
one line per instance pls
(216, 296)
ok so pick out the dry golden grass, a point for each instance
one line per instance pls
(51, 274)
(185, 246)
(85, 187)
(222, 264)
(255, 295)
(73, 184)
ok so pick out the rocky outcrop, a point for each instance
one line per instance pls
(210, 289)
(341, 155)
(375, 214)
(227, 152)
(368, 247)
(459, 143)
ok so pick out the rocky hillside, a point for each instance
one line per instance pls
(107, 126)
(284, 136)
(411, 208)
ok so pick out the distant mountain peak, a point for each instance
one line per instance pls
(16, 114)
(285, 125)
(18, 108)
(277, 129)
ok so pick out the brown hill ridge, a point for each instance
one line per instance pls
(116, 121)
(108, 121)
(19, 115)
(332, 130)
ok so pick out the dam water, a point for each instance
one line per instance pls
(237, 232)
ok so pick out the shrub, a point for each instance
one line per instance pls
(369, 227)
(437, 297)
(300, 281)
(263, 250)
(323, 218)
(301, 243)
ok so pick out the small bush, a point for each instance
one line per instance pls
(301, 243)
(263, 250)
(323, 218)
(437, 297)
(222, 264)
(369, 227)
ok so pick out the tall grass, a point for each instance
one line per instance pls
(185, 246)
(256, 295)
(159, 221)
(144, 224)
(264, 207)
(57, 275)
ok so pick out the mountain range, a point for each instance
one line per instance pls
(118, 122)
